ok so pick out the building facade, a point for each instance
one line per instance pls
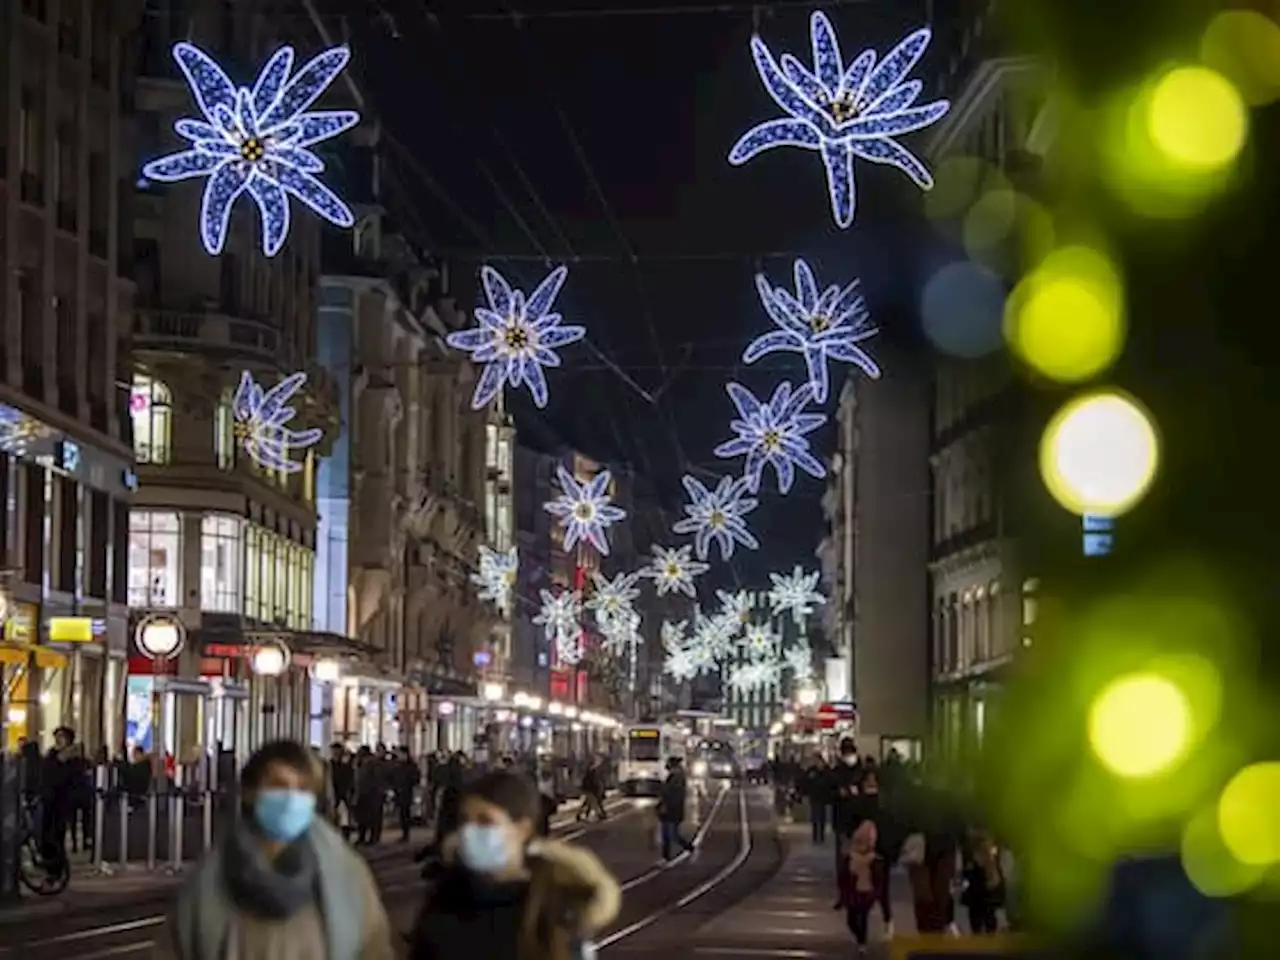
(226, 544)
(983, 604)
(66, 310)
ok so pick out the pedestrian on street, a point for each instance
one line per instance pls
(342, 784)
(845, 777)
(817, 786)
(501, 894)
(449, 810)
(61, 787)
(863, 883)
(984, 883)
(593, 791)
(405, 779)
(672, 800)
(282, 882)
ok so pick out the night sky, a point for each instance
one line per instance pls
(600, 142)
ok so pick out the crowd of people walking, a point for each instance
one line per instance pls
(880, 817)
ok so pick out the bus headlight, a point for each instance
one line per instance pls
(700, 768)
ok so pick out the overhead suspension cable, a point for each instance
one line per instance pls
(734, 8)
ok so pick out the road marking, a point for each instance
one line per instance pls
(744, 851)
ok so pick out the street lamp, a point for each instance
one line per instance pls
(160, 636)
(493, 692)
(270, 659)
(807, 695)
(326, 670)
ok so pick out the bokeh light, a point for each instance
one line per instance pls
(961, 309)
(1207, 862)
(1066, 318)
(1244, 46)
(1099, 454)
(1140, 725)
(1249, 815)
(1196, 117)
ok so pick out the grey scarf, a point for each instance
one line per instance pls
(273, 890)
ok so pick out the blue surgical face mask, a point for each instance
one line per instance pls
(483, 849)
(284, 815)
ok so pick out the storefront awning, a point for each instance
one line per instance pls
(19, 654)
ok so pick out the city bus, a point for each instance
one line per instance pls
(645, 752)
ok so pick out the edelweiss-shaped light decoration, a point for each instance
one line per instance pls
(516, 337)
(717, 515)
(621, 633)
(758, 675)
(673, 570)
(261, 422)
(816, 326)
(759, 641)
(795, 592)
(774, 433)
(799, 660)
(585, 509)
(496, 577)
(612, 599)
(257, 141)
(681, 664)
(559, 616)
(673, 634)
(735, 608)
(844, 113)
(714, 637)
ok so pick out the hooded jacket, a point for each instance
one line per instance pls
(568, 898)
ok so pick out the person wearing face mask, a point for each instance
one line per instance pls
(282, 884)
(502, 893)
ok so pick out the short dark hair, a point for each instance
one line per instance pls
(289, 753)
(513, 793)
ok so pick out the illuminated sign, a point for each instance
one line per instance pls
(70, 630)
(130, 480)
(69, 456)
(644, 734)
(1099, 535)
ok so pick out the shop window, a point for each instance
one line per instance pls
(253, 572)
(70, 549)
(151, 410)
(220, 551)
(99, 549)
(34, 535)
(155, 559)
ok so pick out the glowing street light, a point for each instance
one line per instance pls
(326, 670)
(270, 659)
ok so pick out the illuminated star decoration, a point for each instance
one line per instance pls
(816, 326)
(799, 660)
(496, 576)
(516, 337)
(261, 422)
(681, 664)
(774, 433)
(612, 599)
(585, 509)
(673, 570)
(673, 634)
(559, 616)
(735, 607)
(843, 112)
(759, 641)
(795, 592)
(714, 637)
(621, 632)
(717, 515)
(257, 141)
(756, 675)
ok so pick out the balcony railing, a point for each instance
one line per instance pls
(204, 332)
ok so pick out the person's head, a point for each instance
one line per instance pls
(864, 838)
(279, 786)
(674, 764)
(870, 785)
(63, 737)
(337, 751)
(498, 813)
(848, 751)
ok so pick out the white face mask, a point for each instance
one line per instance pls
(850, 760)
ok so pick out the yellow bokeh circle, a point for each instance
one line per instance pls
(1197, 118)
(1249, 815)
(1066, 319)
(1140, 725)
(1099, 454)
(1244, 46)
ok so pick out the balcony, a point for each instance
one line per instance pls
(212, 333)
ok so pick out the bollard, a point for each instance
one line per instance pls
(152, 826)
(100, 781)
(177, 806)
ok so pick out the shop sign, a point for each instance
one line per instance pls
(73, 629)
(827, 716)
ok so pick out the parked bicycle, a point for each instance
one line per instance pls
(41, 869)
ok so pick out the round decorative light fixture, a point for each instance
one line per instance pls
(493, 692)
(326, 670)
(160, 636)
(270, 659)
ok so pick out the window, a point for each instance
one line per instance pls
(293, 606)
(280, 591)
(267, 545)
(151, 409)
(155, 558)
(30, 133)
(220, 539)
(253, 572)
(224, 433)
(309, 477)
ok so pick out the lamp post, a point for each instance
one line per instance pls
(269, 660)
(159, 637)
